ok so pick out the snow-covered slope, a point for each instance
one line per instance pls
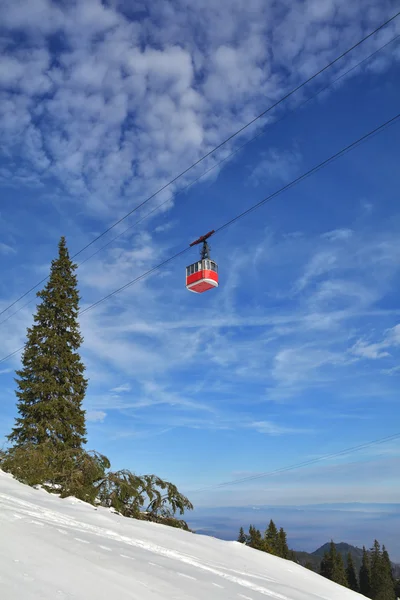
(59, 549)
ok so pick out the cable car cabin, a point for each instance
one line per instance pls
(202, 276)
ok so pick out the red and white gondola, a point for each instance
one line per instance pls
(202, 275)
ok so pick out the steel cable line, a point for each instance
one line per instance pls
(300, 465)
(268, 198)
(230, 155)
(232, 136)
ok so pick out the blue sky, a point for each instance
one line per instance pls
(296, 354)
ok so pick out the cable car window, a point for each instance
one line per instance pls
(187, 271)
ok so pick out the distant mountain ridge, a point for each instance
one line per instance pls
(314, 558)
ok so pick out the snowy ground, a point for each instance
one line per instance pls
(59, 549)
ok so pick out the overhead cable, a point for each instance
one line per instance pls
(231, 137)
(268, 198)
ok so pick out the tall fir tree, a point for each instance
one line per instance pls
(339, 572)
(387, 565)
(351, 574)
(386, 589)
(332, 566)
(365, 575)
(51, 382)
(327, 566)
(283, 548)
(376, 569)
(242, 538)
(255, 539)
(271, 538)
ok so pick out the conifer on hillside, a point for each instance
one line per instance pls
(332, 566)
(365, 575)
(255, 539)
(271, 538)
(351, 574)
(242, 538)
(51, 382)
(328, 562)
(387, 565)
(339, 572)
(283, 549)
(386, 586)
(376, 569)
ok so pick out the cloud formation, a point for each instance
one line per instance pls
(110, 107)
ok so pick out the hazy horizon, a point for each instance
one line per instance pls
(308, 526)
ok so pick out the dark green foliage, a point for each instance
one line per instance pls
(339, 574)
(309, 566)
(51, 382)
(128, 493)
(164, 498)
(283, 549)
(387, 565)
(242, 538)
(376, 570)
(352, 581)
(255, 539)
(271, 538)
(273, 542)
(66, 471)
(365, 575)
(332, 566)
(382, 580)
(170, 521)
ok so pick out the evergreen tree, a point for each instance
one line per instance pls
(283, 549)
(387, 565)
(351, 574)
(386, 590)
(51, 383)
(242, 536)
(332, 566)
(271, 538)
(326, 566)
(376, 569)
(365, 575)
(339, 572)
(255, 539)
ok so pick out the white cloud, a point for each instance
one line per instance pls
(110, 111)
(96, 416)
(338, 234)
(270, 428)
(277, 165)
(122, 388)
(378, 350)
(6, 249)
(77, 109)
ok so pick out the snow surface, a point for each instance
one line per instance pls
(62, 549)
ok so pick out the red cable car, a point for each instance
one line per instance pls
(203, 274)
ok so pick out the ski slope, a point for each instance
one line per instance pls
(65, 549)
